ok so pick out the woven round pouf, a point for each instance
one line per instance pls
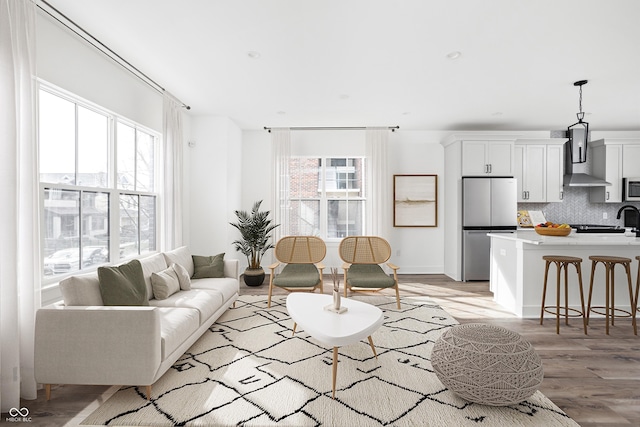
(487, 364)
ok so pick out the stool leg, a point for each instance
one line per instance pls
(566, 294)
(608, 294)
(584, 317)
(544, 291)
(627, 268)
(557, 298)
(612, 287)
(593, 268)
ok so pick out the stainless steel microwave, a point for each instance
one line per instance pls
(631, 189)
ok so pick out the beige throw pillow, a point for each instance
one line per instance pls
(164, 283)
(183, 276)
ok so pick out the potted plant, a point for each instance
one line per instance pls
(255, 229)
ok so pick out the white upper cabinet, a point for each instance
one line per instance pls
(490, 158)
(631, 160)
(538, 167)
(607, 164)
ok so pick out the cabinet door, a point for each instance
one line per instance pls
(613, 193)
(631, 161)
(535, 173)
(555, 172)
(519, 171)
(500, 157)
(474, 158)
(607, 164)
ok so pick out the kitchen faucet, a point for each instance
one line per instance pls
(633, 208)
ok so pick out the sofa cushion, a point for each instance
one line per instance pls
(176, 325)
(81, 290)
(183, 276)
(152, 264)
(227, 286)
(123, 284)
(164, 283)
(205, 301)
(180, 256)
(208, 266)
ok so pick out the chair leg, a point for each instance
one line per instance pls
(270, 290)
(397, 295)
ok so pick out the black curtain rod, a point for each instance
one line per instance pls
(392, 128)
(93, 41)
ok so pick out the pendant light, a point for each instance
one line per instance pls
(578, 133)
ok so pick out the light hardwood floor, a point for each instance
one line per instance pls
(595, 378)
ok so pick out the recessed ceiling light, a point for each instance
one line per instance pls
(406, 113)
(497, 113)
(344, 96)
(454, 55)
(282, 113)
(253, 54)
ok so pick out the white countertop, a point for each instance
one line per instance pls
(591, 239)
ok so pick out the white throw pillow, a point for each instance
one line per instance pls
(183, 276)
(164, 283)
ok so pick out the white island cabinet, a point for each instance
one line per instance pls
(517, 268)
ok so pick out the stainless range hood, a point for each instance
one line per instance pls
(577, 174)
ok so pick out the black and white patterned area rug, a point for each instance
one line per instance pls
(249, 370)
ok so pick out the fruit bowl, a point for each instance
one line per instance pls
(553, 231)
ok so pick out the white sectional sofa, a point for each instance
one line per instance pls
(82, 341)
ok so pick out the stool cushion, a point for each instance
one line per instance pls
(487, 364)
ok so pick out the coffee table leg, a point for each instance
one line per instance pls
(372, 346)
(294, 328)
(335, 370)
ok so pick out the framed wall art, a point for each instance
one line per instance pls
(415, 200)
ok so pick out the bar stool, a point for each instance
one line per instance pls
(609, 263)
(563, 262)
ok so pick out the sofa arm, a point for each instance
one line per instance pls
(231, 269)
(97, 345)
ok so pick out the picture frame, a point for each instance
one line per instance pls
(415, 200)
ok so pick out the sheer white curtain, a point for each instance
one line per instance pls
(172, 131)
(19, 244)
(280, 155)
(378, 196)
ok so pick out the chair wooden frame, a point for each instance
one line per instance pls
(366, 250)
(298, 250)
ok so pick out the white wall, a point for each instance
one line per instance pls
(411, 152)
(73, 65)
(214, 176)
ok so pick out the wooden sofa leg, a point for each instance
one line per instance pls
(148, 389)
(47, 391)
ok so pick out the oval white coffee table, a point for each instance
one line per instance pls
(358, 322)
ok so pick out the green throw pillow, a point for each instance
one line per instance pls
(208, 266)
(123, 284)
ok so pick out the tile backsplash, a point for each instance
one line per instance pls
(577, 209)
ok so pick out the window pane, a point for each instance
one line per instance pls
(304, 218)
(344, 178)
(126, 153)
(61, 231)
(147, 224)
(95, 228)
(128, 225)
(145, 162)
(304, 177)
(57, 139)
(93, 149)
(345, 218)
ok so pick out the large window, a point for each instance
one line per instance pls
(327, 197)
(97, 179)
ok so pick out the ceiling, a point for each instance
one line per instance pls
(379, 63)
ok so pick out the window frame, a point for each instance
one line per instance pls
(324, 198)
(111, 190)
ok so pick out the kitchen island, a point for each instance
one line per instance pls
(517, 268)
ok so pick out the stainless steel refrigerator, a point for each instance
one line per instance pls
(489, 205)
